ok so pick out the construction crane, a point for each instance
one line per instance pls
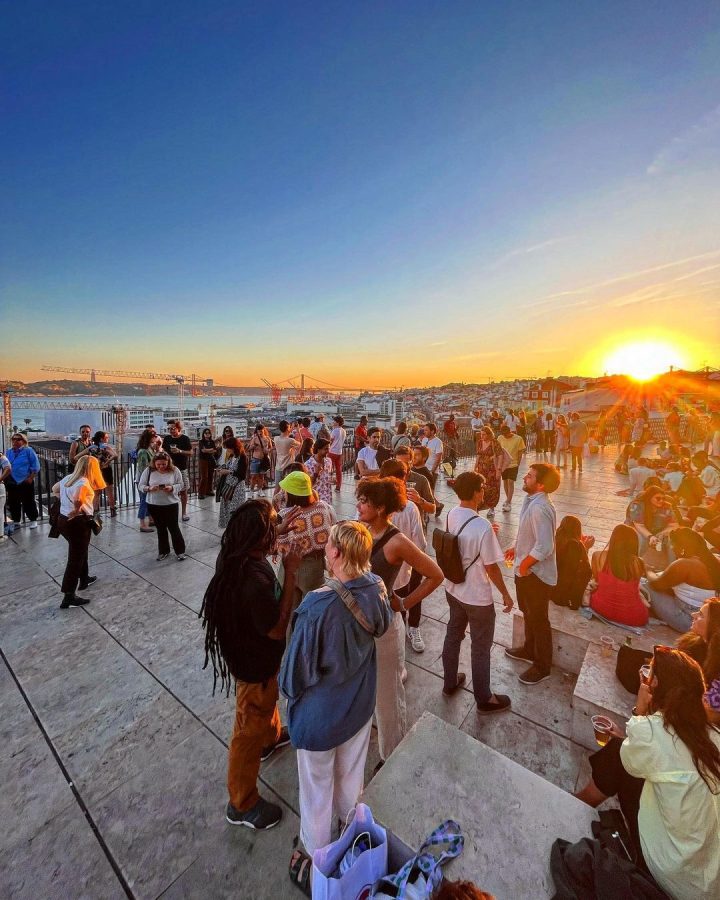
(275, 392)
(181, 380)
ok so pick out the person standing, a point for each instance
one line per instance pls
(367, 464)
(435, 450)
(235, 471)
(521, 429)
(450, 430)
(259, 448)
(535, 570)
(77, 493)
(337, 442)
(285, 449)
(514, 447)
(672, 425)
(179, 448)
(20, 484)
(143, 459)
(5, 472)
(539, 429)
(361, 441)
(489, 464)
(401, 438)
(163, 483)
(245, 614)
(549, 433)
(81, 445)
(102, 449)
(319, 469)
(471, 603)
(562, 440)
(578, 435)
(476, 423)
(207, 448)
(330, 677)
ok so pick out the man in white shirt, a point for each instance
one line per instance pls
(511, 420)
(367, 464)
(435, 448)
(709, 474)
(638, 475)
(476, 423)
(471, 603)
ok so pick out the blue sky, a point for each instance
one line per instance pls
(425, 187)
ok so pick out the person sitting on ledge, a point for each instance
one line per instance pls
(617, 571)
(666, 774)
(571, 550)
(686, 583)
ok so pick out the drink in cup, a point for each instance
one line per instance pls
(410, 485)
(601, 726)
(645, 674)
(606, 646)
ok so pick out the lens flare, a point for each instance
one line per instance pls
(643, 360)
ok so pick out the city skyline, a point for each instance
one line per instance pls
(388, 196)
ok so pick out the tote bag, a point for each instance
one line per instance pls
(370, 865)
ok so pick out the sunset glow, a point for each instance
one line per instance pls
(643, 360)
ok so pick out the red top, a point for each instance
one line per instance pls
(619, 600)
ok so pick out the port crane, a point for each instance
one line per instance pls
(306, 387)
(181, 380)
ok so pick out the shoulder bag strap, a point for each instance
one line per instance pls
(458, 535)
(351, 604)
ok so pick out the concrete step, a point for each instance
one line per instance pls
(572, 633)
(509, 816)
(598, 693)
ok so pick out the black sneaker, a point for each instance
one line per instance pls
(501, 704)
(461, 679)
(73, 600)
(260, 817)
(282, 741)
(533, 675)
(86, 584)
(518, 653)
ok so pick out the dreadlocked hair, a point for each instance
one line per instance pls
(251, 528)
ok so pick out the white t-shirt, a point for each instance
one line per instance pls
(477, 538)
(337, 440)
(512, 421)
(710, 477)
(80, 490)
(408, 521)
(369, 456)
(476, 423)
(674, 479)
(435, 446)
(638, 476)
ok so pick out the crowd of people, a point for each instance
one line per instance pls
(320, 610)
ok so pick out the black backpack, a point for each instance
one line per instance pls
(447, 553)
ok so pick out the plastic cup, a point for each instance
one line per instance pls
(509, 563)
(601, 726)
(645, 674)
(606, 646)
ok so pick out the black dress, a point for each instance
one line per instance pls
(574, 573)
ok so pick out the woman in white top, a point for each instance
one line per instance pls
(337, 442)
(671, 745)
(162, 483)
(77, 494)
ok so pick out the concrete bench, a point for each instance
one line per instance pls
(572, 633)
(598, 693)
(510, 817)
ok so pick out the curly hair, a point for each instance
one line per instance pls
(385, 493)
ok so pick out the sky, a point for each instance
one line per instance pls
(375, 194)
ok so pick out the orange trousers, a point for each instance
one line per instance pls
(257, 725)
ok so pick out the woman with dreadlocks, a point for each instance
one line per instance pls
(245, 615)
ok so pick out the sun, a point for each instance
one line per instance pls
(643, 360)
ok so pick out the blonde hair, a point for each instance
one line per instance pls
(354, 542)
(87, 467)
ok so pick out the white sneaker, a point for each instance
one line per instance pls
(506, 507)
(491, 514)
(416, 641)
(33, 525)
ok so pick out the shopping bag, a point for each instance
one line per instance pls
(422, 874)
(357, 879)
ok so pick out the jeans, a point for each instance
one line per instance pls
(77, 533)
(667, 607)
(576, 455)
(482, 628)
(533, 597)
(257, 725)
(166, 520)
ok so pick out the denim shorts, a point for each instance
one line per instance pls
(255, 467)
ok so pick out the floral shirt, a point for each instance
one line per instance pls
(323, 483)
(311, 529)
(712, 695)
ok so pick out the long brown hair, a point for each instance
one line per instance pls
(622, 554)
(648, 509)
(678, 695)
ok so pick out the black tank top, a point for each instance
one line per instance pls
(379, 564)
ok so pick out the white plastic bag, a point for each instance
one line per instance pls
(369, 866)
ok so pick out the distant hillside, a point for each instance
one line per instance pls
(66, 388)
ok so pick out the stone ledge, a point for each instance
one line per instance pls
(510, 817)
(598, 693)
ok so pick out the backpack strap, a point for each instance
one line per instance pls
(467, 522)
(351, 604)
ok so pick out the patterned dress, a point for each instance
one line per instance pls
(323, 485)
(485, 465)
(228, 507)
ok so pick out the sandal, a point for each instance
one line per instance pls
(300, 870)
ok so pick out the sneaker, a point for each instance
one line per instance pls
(33, 525)
(282, 741)
(506, 507)
(461, 678)
(163, 556)
(181, 556)
(502, 704)
(491, 514)
(10, 529)
(533, 676)
(84, 585)
(72, 600)
(186, 518)
(518, 653)
(416, 641)
(260, 817)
